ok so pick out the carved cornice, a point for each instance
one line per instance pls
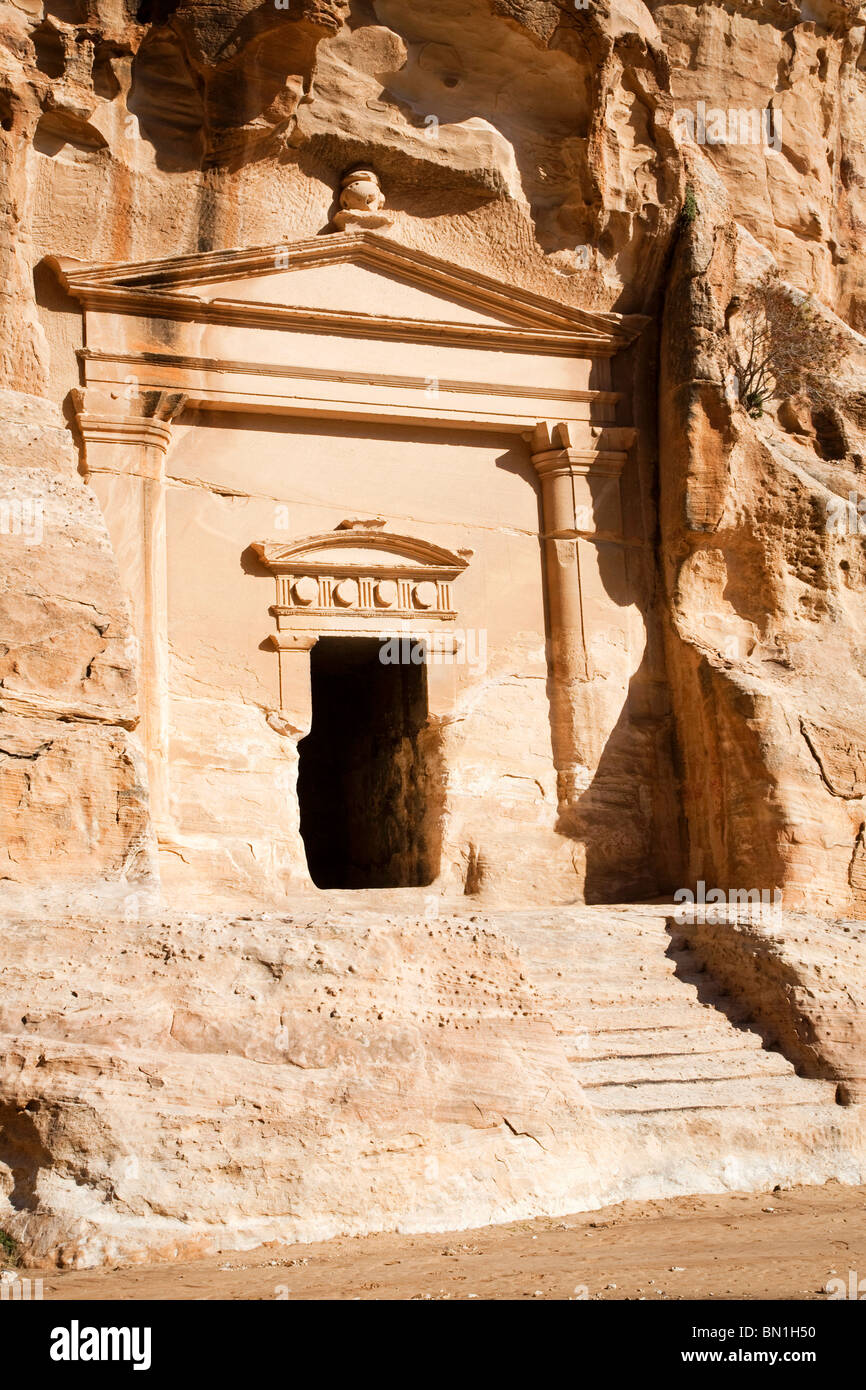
(165, 288)
(345, 324)
(408, 551)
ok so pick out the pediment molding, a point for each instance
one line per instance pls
(166, 288)
(323, 551)
(361, 570)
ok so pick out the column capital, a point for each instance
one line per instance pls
(578, 446)
(109, 424)
(579, 465)
(293, 641)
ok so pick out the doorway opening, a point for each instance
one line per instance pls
(367, 785)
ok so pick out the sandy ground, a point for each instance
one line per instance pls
(780, 1245)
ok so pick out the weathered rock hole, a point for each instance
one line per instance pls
(156, 11)
(475, 871)
(50, 50)
(59, 128)
(829, 438)
(23, 1153)
(105, 83)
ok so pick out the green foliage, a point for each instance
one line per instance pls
(689, 209)
(8, 1249)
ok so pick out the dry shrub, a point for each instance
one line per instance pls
(787, 347)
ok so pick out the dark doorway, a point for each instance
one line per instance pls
(365, 786)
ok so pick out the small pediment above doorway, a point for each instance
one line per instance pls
(362, 571)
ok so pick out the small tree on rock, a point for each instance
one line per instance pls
(786, 347)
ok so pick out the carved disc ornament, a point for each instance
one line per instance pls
(386, 593)
(305, 591)
(425, 594)
(360, 571)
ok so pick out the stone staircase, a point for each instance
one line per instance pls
(649, 1035)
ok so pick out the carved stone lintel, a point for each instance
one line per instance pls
(358, 581)
(360, 575)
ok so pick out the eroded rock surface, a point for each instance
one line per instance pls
(164, 1082)
(73, 795)
(539, 142)
(215, 1083)
(765, 652)
(176, 1086)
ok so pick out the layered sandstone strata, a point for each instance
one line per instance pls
(713, 718)
(801, 979)
(216, 1083)
(175, 1086)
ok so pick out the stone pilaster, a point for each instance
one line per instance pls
(296, 706)
(126, 439)
(579, 467)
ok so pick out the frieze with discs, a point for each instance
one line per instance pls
(361, 570)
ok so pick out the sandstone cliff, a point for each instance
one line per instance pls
(183, 1084)
(540, 141)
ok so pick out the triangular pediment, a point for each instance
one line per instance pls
(349, 278)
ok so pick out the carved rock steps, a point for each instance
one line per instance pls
(646, 1031)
